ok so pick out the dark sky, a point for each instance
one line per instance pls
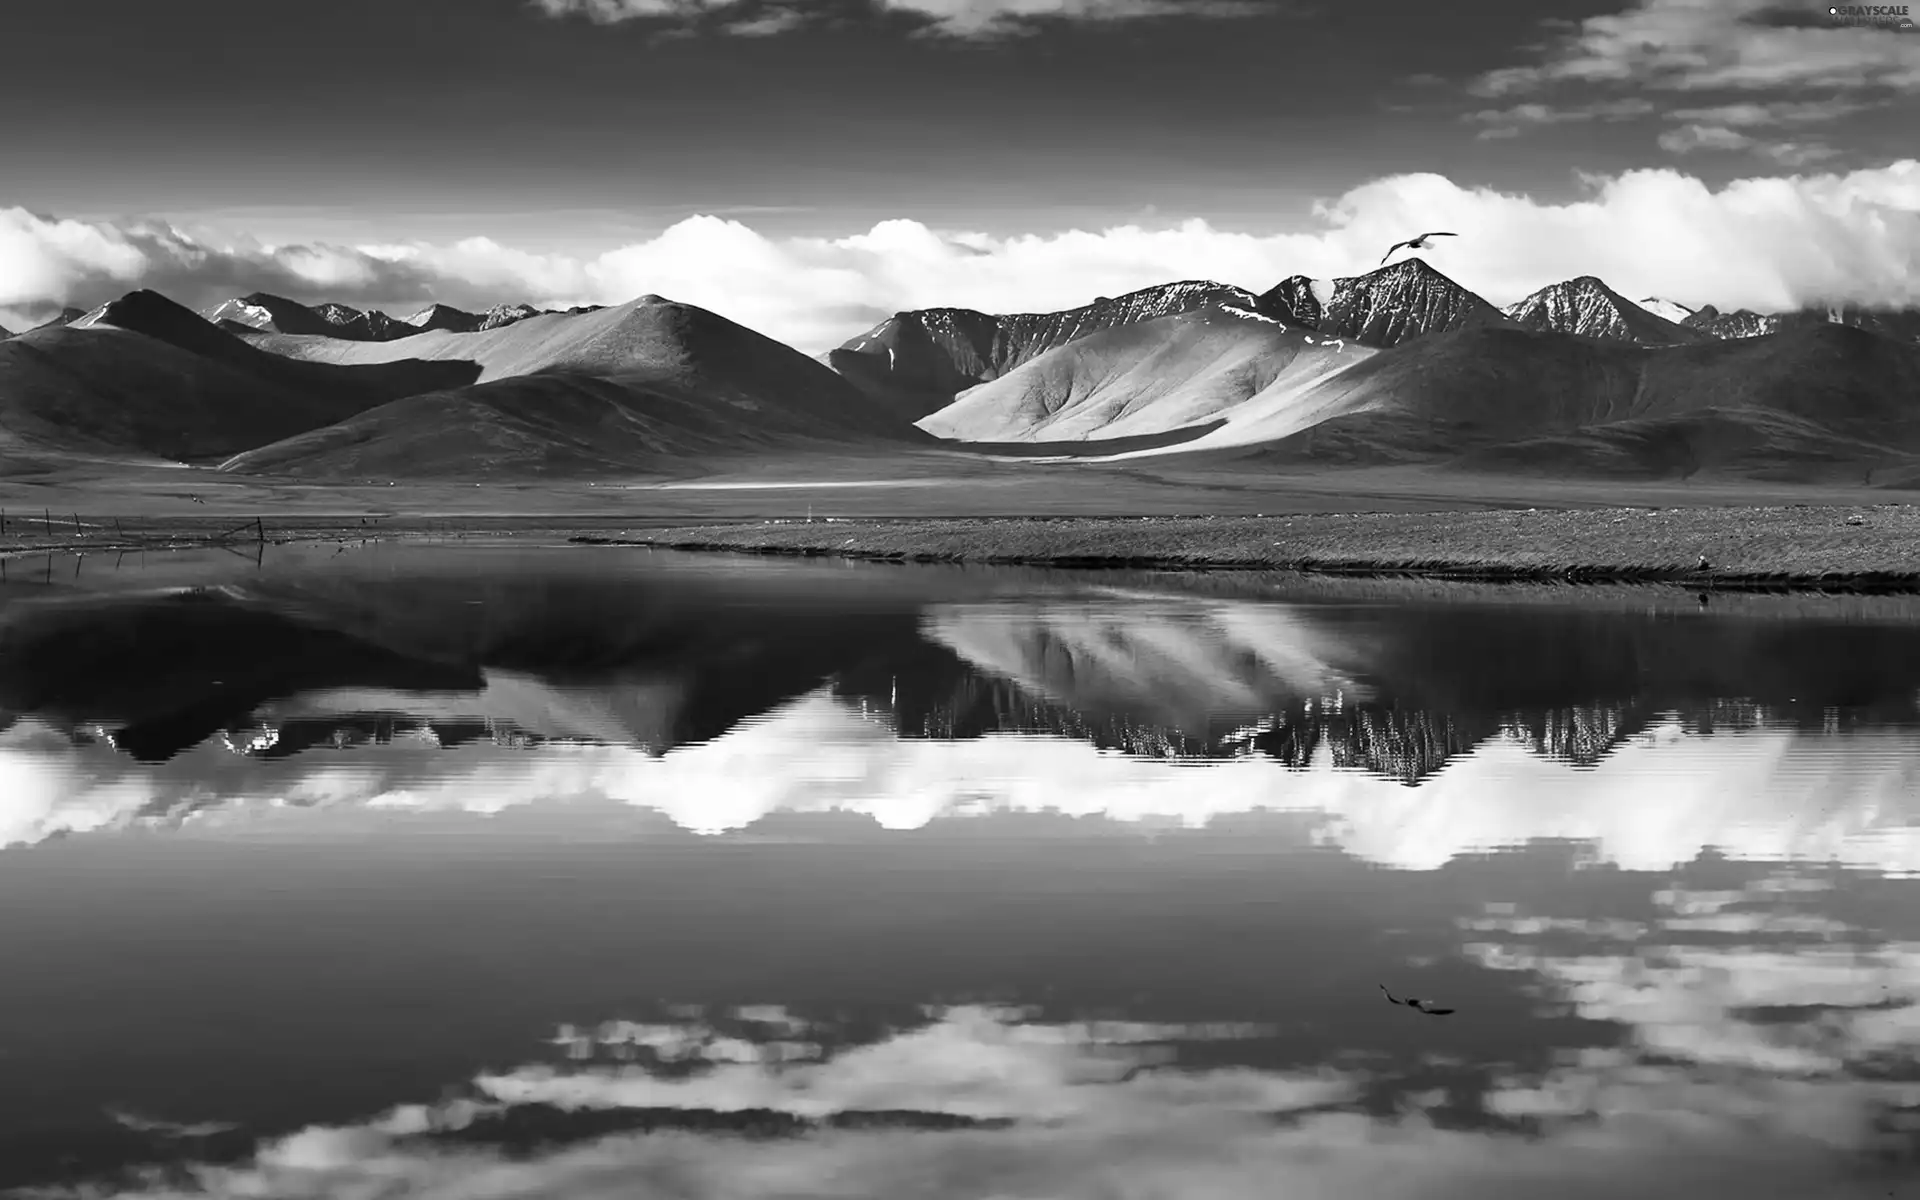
(436, 117)
(525, 150)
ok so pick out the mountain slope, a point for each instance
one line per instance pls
(1170, 373)
(1666, 310)
(1381, 308)
(635, 387)
(1589, 308)
(919, 361)
(65, 316)
(1901, 324)
(550, 425)
(1811, 400)
(645, 336)
(143, 377)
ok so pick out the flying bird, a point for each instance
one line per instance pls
(1425, 1006)
(1418, 243)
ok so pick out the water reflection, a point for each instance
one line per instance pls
(516, 873)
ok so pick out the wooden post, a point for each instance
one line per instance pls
(76, 526)
(260, 531)
(47, 516)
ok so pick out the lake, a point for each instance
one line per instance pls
(485, 870)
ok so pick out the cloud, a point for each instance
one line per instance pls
(1508, 122)
(1765, 243)
(1786, 112)
(1727, 979)
(1686, 139)
(971, 19)
(1722, 44)
(1656, 802)
(1084, 1129)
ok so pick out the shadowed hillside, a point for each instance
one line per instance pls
(556, 425)
(1171, 373)
(1812, 399)
(642, 386)
(144, 377)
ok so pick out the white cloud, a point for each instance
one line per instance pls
(953, 18)
(1088, 1131)
(1763, 795)
(1683, 997)
(1725, 44)
(1509, 122)
(1765, 242)
(1686, 139)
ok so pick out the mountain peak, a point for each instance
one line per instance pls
(1383, 307)
(1586, 307)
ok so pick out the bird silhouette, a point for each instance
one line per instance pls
(1416, 243)
(1418, 1005)
(1703, 564)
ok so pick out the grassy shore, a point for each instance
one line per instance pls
(1861, 548)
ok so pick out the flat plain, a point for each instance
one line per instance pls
(949, 506)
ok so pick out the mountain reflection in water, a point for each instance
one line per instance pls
(464, 871)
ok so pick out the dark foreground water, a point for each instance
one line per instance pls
(466, 873)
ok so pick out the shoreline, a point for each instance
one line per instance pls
(1800, 548)
(1805, 548)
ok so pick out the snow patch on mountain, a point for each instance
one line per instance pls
(1666, 310)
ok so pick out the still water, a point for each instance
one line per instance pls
(490, 871)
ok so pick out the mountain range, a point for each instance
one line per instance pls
(1401, 364)
(276, 314)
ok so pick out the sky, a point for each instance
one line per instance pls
(807, 167)
(1700, 1093)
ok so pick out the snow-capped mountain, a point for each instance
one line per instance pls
(922, 359)
(1742, 323)
(444, 316)
(1901, 324)
(506, 314)
(1589, 308)
(369, 326)
(1666, 310)
(277, 314)
(1381, 308)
